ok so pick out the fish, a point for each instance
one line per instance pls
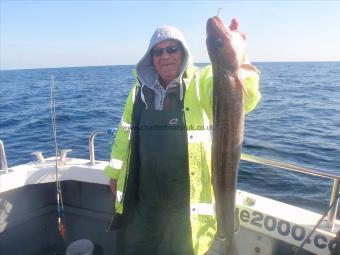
(226, 50)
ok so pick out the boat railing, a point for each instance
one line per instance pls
(110, 132)
(331, 217)
(91, 144)
(3, 160)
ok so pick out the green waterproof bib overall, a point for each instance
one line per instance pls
(162, 222)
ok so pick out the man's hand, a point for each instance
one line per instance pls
(219, 247)
(234, 24)
(245, 63)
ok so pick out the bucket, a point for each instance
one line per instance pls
(80, 247)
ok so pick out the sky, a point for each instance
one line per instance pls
(44, 34)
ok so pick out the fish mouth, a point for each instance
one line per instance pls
(220, 45)
(216, 26)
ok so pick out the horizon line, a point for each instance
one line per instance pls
(197, 63)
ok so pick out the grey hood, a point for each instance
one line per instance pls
(145, 69)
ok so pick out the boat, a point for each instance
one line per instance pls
(29, 225)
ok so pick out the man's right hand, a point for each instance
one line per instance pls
(219, 246)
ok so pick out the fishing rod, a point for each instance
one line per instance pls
(60, 204)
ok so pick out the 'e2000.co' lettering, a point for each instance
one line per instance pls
(282, 227)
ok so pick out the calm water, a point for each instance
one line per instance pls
(297, 121)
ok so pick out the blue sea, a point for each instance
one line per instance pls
(297, 121)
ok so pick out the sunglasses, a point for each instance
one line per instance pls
(157, 52)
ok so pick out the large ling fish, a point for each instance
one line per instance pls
(226, 48)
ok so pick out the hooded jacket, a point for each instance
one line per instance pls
(147, 74)
(195, 87)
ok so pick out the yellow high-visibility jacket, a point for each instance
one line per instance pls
(198, 103)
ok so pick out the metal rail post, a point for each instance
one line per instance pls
(334, 196)
(3, 159)
(91, 145)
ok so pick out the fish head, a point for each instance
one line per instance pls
(226, 47)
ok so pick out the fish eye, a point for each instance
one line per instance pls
(219, 43)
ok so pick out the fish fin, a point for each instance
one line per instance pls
(246, 70)
(247, 67)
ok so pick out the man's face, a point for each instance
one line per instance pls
(167, 59)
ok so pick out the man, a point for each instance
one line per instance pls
(160, 164)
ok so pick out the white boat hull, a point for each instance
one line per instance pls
(266, 224)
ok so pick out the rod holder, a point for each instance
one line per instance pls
(63, 154)
(39, 156)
